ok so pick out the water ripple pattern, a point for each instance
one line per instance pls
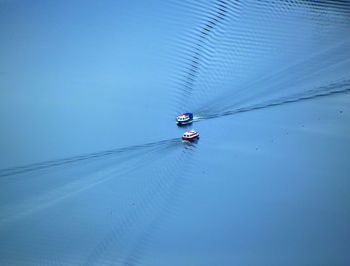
(225, 57)
(264, 50)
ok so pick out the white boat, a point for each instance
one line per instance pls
(184, 119)
(190, 135)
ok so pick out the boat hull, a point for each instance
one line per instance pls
(195, 137)
(182, 123)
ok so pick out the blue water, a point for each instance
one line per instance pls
(92, 168)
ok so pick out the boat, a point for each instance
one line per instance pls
(190, 135)
(184, 119)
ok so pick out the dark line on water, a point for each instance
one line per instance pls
(171, 196)
(74, 159)
(200, 44)
(309, 95)
(162, 189)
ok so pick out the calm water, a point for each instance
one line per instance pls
(93, 171)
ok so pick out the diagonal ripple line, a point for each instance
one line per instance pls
(200, 42)
(247, 45)
(171, 197)
(336, 88)
(48, 198)
(162, 188)
(70, 160)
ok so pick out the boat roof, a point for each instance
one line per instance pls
(185, 114)
(191, 132)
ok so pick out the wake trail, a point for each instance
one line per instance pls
(198, 49)
(57, 192)
(85, 157)
(164, 184)
(335, 88)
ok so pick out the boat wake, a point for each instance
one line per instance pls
(256, 56)
(332, 89)
(87, 157)
(51, 182)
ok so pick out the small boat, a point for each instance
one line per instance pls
(184, 119)
(190, 135)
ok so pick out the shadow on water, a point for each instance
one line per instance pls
(185, 127)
